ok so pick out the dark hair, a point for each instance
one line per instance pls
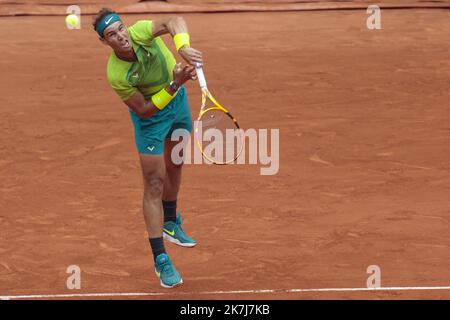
(100, 15)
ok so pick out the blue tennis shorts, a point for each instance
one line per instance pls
(150, 134)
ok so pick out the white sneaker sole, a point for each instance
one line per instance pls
(165, 285)
(178, 242)
(170, 287)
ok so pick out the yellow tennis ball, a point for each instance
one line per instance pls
(72, 20)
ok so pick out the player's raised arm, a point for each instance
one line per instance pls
(145, 109)
(177, 28)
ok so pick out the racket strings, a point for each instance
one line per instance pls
(222, 141)
(213, 119)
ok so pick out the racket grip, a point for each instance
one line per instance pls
(200, 75)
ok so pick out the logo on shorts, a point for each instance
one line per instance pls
(151, 148)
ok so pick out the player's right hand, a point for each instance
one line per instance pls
(183, 74)
(191, 55)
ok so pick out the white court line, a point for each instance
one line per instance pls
(141, 294)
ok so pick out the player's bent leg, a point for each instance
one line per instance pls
(172, 181)
(173, 231)
(153, 171)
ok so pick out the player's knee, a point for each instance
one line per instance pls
(154, 185)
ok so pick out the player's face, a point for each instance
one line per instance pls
(116, 36)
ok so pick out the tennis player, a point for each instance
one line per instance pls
(145, 75)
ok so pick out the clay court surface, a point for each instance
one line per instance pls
(364, 173)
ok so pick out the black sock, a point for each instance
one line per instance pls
(170, 210)
(157, 245)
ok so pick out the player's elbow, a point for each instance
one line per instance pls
(176, 21)
(143, 109)
(143, 115)
(146, 112)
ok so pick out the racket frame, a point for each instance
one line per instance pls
(207, 95)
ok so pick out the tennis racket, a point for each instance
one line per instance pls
(216, 131)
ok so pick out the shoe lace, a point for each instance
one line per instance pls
(166, 268)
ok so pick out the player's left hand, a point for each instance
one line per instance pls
(191, 55)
